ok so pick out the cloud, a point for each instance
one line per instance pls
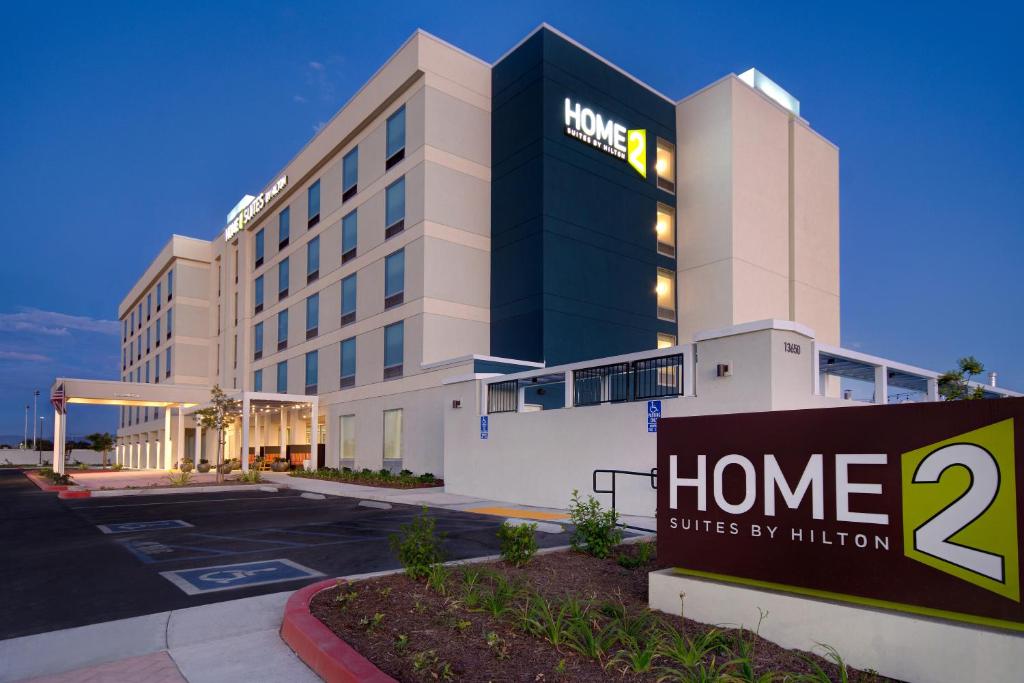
(299, 98)
(319, 126)
(52, 323)
(316, 66)
(27, 357)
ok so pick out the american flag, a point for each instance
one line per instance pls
(57, 399)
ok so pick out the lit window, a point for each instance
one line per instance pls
(282, 377)
(282, 279)
(284, 222)
(348, 363)
(313, 260)
(312, 316)
(666, 340)
(394, 279)
(349, 236)
(393, 434)
(666, 291)
(350, 175)
(282, 330)
(665, 227)
(665, 166)
(348, 300)
(313, 204)
(348, 437)
(394, 349)
(395, 138)
(311, 372)
(394, 208)
(259, 249)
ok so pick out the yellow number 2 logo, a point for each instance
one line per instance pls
(636, 150)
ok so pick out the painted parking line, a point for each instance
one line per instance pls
(131, 527)
(230, 576)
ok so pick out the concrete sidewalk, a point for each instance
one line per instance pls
(219, 643)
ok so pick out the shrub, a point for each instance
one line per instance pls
(82, 466)
(643, 555)
(384, 473)
(117, 467)
(427, 477)
(417, 545)
(180, 479)
(251, 477)
(595, 531)
(518, 543)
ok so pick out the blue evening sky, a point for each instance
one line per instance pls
(125, 122)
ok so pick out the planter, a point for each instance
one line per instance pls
(186, 466)
(225, 468)
(280, 466)
(204, 467)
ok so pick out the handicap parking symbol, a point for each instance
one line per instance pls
(653, 415)
(229, 576)
(131, 527)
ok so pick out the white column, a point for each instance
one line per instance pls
(245, 434)
(314, 428)
(283, 452)
(881, 385)
(149, 448)
(179, 445)
(933, 389)
(256, 431)
(58, 459)
(198, 445)
(165, 449)
(570, 392)
(816, 360)
(521, 399)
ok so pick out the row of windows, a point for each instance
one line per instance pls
(394, 196)
(134, 321)
(392, 435)
(394, 350)
(134, 352)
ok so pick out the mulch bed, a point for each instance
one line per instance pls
(421, 631)
(379, 483)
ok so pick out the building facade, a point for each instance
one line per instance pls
(458, 218)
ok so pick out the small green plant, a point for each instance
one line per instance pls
(437, 578)
(687, 652)
(418, 545)
(180, 479)
(518, 543)
(561, 667)
(497, 601)
(423, 661)
(345, 598)
(539, 617)
(117, 467)
(499, 646)
(595, 530)
(643, 555)
(401, 642)
(818, 674)
(251, 477)
(82, 466)
(384, 592)
(637, 658)
(371, 623)
(384, 473)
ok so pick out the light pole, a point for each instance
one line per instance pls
(38, 444)
(24, 439)
(35, 411)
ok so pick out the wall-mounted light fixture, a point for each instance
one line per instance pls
(723, 370)
(456, 403)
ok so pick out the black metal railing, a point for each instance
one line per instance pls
(602, 384)
(503, 397)
(658, 377)
(652, 475)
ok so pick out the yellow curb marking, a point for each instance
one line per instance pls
(521, 514)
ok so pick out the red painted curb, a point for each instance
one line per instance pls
(74, 494)
(43, 483)
(329, 656)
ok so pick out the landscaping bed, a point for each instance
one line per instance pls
(379, 478)
(564, 616)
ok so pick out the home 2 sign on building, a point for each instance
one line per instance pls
(912, 507)
(607, 135)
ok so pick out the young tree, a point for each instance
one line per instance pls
(218, 416)
(101, 442)
(954, 385)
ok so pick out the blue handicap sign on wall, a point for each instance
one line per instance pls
(131, 527)
(484, 426)
(653, 413)
(228, 576)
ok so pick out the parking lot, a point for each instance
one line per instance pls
(76, 562)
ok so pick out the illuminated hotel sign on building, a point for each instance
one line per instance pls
(253, 208)
(607, 135)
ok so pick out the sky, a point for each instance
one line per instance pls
(122, 123)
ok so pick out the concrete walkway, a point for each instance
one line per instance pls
(220, 643)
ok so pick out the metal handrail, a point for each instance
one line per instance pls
(652, 475)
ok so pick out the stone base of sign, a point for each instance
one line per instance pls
(895, 644)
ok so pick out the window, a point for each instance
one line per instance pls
(159, 296)
(124, 358)
(394, 347)
(311, 372)
(349, 236)
(282, 377)
(157, 333)
(666, 340)
(170, 322)
(131, 351)
(393, 434)
(170, 284)
(257, 341)
(348, 363)
(140, 315)
(313, 204)
(347, 430)
(124, 330)
(348, 300)
(148, 330)
(258, 294)
(313, 260)
(312, 315)
(257, 380)
(282, 279)
(133, 321)
(284, 222)
(147, 372)
(394, 279)
(282, 330)
(666, 230)
(396, 138)
(236, 264)
(156, 369)
(665, 166)
(394, 210)
(350, 175)
(234, 353)
(259, 249)
(149, 306)
(666, 291)
(236, 309)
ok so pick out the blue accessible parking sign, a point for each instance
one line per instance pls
(483, 426)
(653, 413)
(227, 576)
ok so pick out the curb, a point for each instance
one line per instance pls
(42, 483)
(326, 654)
(67, 493)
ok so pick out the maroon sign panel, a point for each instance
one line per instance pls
(915, 507)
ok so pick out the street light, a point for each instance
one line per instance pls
(39, 446)
(35, 411)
